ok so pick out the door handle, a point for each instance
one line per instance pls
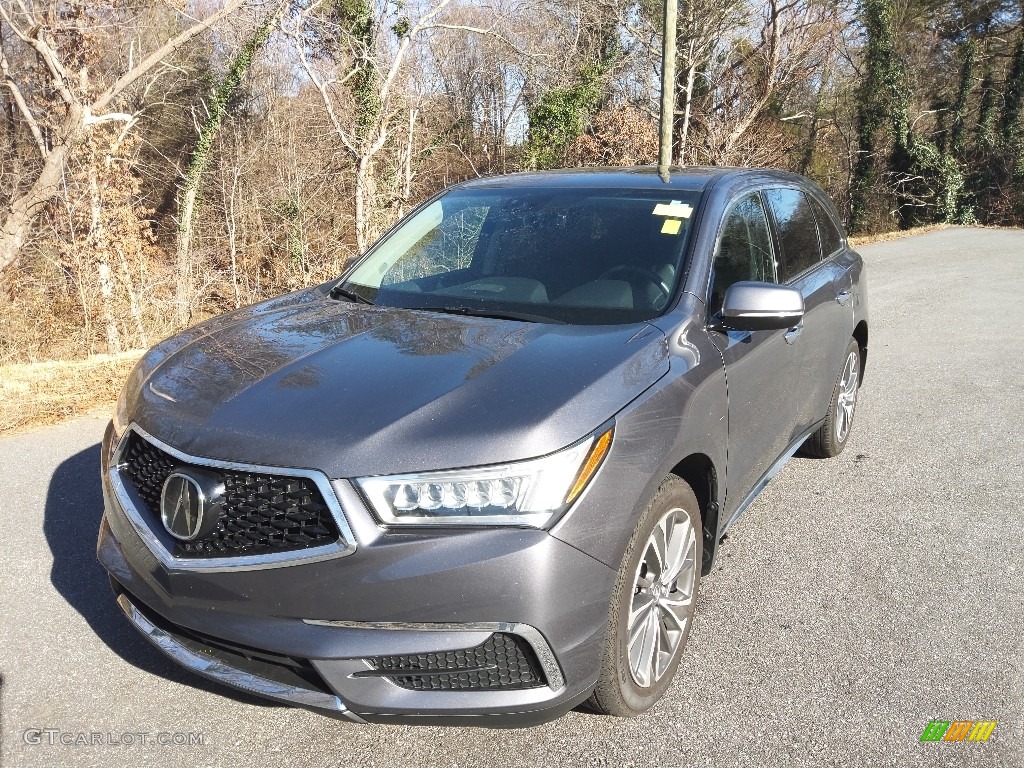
(844, 297)
(793, 333)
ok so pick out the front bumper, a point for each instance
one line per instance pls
(201, 662)
(305, 633)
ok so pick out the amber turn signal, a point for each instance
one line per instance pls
(597, 453)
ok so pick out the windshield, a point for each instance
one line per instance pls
(581, 256)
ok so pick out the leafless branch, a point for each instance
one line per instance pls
(161, 53)
(23, 108)
(110, 117)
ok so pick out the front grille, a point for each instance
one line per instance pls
(260, 513)
(503, 661)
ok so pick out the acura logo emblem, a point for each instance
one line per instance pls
(188, 507)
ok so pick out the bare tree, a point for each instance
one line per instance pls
(703, 24)
(781, 45)
(80, 104)
(362, 120)
(361, 88)
(202, 154)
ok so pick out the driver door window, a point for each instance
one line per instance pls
(744, 250)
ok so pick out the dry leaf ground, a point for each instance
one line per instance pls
(35, 394)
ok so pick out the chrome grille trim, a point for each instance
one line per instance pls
(344, 546)
(228, 675)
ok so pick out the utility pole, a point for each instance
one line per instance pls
(668, 89)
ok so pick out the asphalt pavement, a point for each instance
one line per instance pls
(856, 600)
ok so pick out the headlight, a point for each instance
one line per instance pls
(522, 493)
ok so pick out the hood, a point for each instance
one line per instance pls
(355, 390)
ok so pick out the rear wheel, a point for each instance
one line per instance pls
(831, 437)
(652, 604)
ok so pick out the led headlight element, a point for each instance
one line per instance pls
(522, 493)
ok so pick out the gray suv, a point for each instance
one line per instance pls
(478, 478)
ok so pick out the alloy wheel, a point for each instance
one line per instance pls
(847, 400)
(663, 594)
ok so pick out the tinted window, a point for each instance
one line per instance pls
(744, 249)
(798, 234)
(828, 232)
(576, 255)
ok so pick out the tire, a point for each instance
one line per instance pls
(832, 436)
(628, 685)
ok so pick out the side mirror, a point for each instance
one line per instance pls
(750, 306)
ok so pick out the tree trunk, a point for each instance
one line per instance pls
(958, 131)
(877, 100)
(106, 301)
(986, 133)
(24, 209)
(1013, 102)
(133, 301)
(202, 154)
(407, 172)
(231, 226)
(183, 258)
(98, 245)
(684, 135)
(362, 190)
(812, 133)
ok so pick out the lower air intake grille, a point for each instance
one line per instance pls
(261, 513)
(503, 661)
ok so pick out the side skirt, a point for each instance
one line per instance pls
(766, 478)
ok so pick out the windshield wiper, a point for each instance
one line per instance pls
(495, 313)
(339, 292)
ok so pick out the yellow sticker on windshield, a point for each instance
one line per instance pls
(677, 209)
(671, 227)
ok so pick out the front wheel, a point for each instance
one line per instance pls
(652, 604)
(831, 437)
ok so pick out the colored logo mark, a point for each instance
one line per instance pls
(958, 730)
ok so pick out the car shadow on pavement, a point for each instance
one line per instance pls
(74, 506)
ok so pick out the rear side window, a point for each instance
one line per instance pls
(828, 232)
(744, 250)
(798, 233)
